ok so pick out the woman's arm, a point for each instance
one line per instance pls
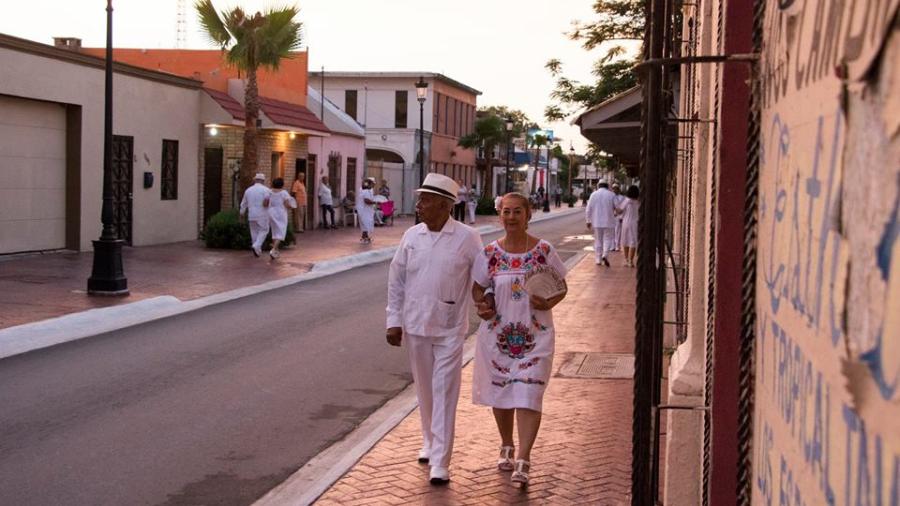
(543, 304)
(484, 302)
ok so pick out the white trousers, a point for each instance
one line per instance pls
(258, 232)
(602, 241)
(617, 237)
(436, 364)
(470, 211)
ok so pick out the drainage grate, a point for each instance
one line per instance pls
(597, 365)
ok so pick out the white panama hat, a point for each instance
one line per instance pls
(259, 176)
(439, 184)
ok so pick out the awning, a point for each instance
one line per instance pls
(274, 114)
(615, 126)
(293, 117)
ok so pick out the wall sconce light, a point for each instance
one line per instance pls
(213, 131)
(292, 135)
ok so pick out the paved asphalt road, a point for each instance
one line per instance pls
(215, 406)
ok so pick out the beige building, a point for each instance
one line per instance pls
(51, 150)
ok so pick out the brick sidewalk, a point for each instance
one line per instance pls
(583, 451)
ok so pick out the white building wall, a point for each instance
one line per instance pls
(148, 110)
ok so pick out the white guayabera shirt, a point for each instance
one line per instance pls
(430, 281)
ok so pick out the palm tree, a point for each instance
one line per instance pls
(248, 43)
(489, 132)
(536, 142)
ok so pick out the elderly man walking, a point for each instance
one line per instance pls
(254, 203)
(429, 288)
(600, 216)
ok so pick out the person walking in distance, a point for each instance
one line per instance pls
(279, 203)
(254, 203)
(514, 352)
(629, 210)
(298, 191)
(600, 216)
(429, 286)
(365, 210)
(326, 203)
(459, 209)
(617, 234)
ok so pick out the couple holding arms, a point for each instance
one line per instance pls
(439, 266)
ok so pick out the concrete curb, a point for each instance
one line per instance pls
(313, 479)
(32, 336)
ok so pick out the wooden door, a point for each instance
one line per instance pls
(212, 182)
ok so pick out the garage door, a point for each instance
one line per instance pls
(32, 175)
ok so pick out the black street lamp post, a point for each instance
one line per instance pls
(108, 274)
(546, 207)
(421, 94)
(509, 127)
(571, 170)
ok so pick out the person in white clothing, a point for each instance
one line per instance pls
(279, 203)
(326, 203)
(254, 203)
(617, 234)
(600, 216)
(429, 286)
(629, 210)
(365, 210)
(471, 205)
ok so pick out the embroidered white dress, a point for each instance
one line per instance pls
(514, 354)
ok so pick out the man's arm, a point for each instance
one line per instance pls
(396, 294)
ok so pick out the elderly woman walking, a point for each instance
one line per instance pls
(514, 354)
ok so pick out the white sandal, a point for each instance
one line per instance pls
(520, 475)
(505, 462)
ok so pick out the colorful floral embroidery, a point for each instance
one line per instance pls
(504, 370)
(518, 291)
(527, 381)
(526, 365)
(500, 261)
(538, 325)
(515, 340)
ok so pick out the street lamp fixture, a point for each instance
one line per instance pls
(421, 94)
(108, 273)
(571, 167)
(509, 126)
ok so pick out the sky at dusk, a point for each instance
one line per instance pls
(496, 46)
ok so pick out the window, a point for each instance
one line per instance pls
(351, 173)
(400, 108)
(169, 170)
(334, 173)
(459, 118)
(451, 129)
(277, 164)
(446, 114)
(350, 103)
(435, 124)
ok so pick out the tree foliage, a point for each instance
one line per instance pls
(617, 20)
(251, 42)
(490, 132)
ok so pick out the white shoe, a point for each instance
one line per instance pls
(257, 251)
(439, 475)
(520, 475)
(424, 455)
(505, 462)
(274, 253)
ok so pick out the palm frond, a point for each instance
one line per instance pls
(212, 24)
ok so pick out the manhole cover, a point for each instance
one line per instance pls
(597, 366)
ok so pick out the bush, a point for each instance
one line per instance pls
(485, 206)
(225, 230)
